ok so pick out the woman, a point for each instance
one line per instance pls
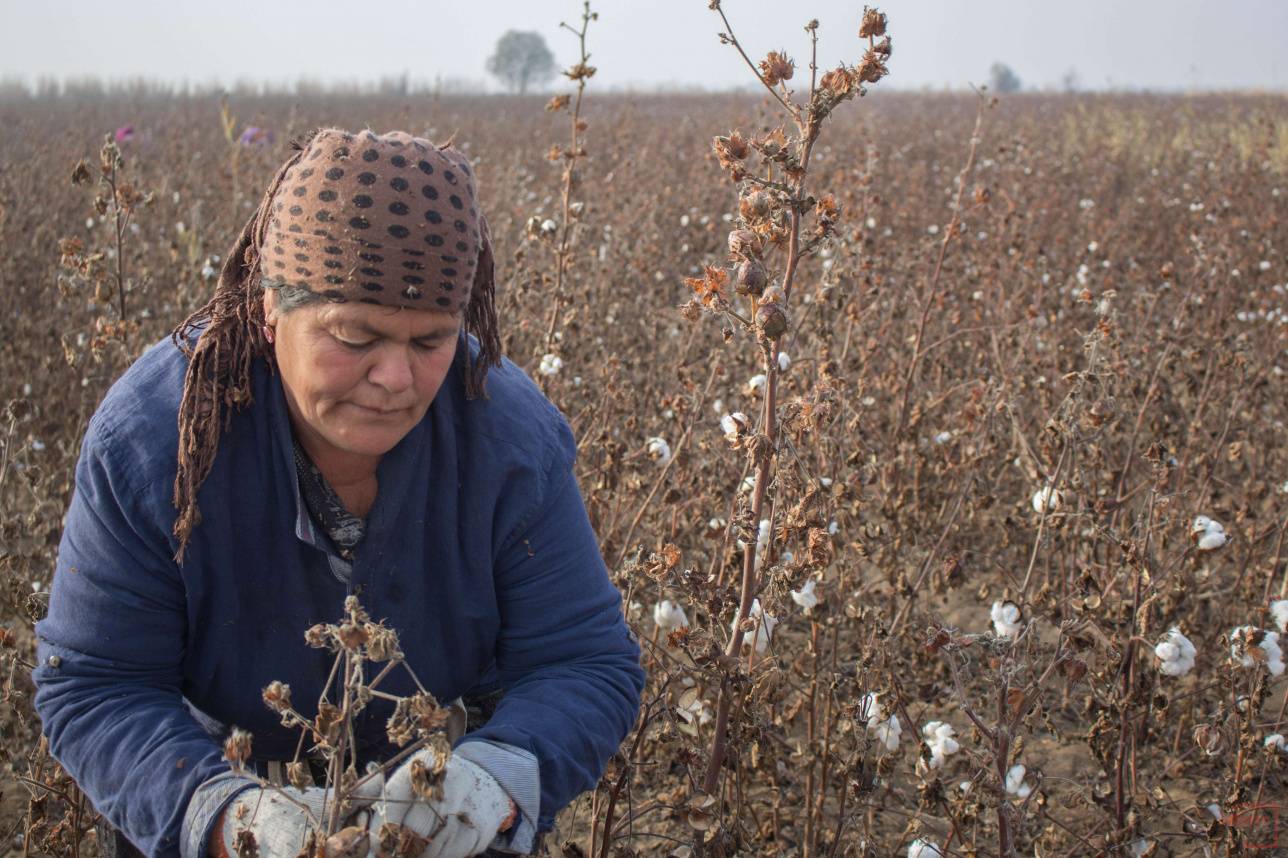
(336, 421)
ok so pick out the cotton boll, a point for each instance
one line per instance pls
(1211, 540)
(764, 628)
(1276, 740)
(1279, 613)
(1251, 647)
(940, 739)
(1203, 524)
(693, 709)
(659, 451)
(805, 596)
(1006, 619)
(924, 849)
(756, 383)
(1208, 533)
(888, 732)
(943, 437)
(550, 364)
(1175, 654)
(784, 362)
(885, 730)
(1047, 499)
(1015, 784)
(669, 616)
(734, 424)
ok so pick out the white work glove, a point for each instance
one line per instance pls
(463, 821)
(280, 825)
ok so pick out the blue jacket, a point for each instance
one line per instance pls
(478, 552)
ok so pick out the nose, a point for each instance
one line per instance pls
(391, 370)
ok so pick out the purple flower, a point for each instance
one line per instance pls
(124, 133)
(255, 136)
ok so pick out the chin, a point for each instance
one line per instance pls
(369, 440)
(377, 443)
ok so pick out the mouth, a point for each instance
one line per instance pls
(381, 412)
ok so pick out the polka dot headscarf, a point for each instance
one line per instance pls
(379, 218)
(383, 219)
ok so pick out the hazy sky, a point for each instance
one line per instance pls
(1157, 44)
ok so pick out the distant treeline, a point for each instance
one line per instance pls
(14, 88)
(91, 87)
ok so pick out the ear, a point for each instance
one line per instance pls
(270, 307)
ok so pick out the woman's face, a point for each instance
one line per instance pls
(357, 376)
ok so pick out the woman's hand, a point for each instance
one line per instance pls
(470, 810)
(280, 820)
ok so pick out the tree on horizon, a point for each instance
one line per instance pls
(521, 60)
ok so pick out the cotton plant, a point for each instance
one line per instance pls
(669, 616)
(885, 730)
(1251, 647)
(1208, 533)
(1175, 653)
(1006, 619)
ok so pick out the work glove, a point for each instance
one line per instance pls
(455, 809)
(281, 825)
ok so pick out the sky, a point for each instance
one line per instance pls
(1173, 45)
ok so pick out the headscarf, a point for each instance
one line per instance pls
(385, 219)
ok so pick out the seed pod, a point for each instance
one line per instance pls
(757, 204)
(772, 320)
(743, 242)
(751, 278)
